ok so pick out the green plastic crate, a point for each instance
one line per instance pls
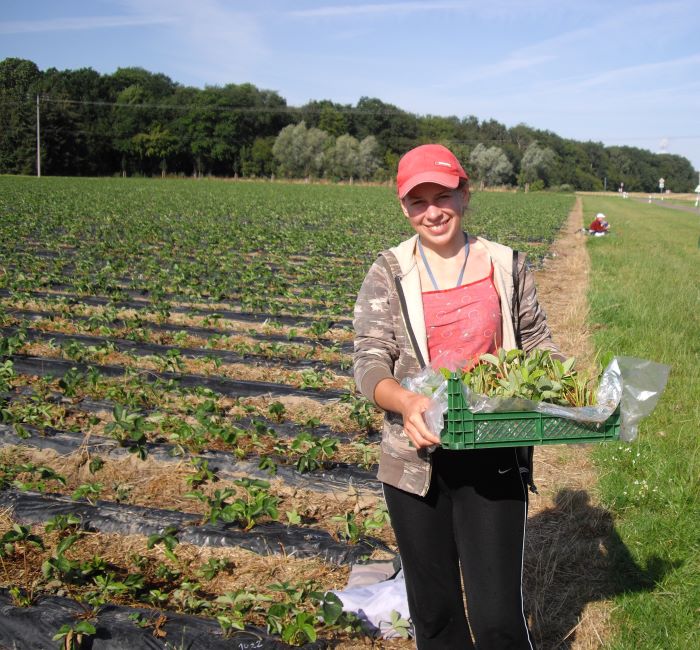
(466, 430)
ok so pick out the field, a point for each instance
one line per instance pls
(179, 427)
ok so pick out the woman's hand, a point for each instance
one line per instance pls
(414, 423)
(390, 396)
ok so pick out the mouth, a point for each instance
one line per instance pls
(437, 227)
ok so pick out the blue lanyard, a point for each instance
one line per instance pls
(430, 273)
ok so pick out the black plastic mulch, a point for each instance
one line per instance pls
(267, 538)
(251, 317)
(204, 332)
(283, 429)
(33, 628)
(332, 477)
(147, 349)
(44, 366)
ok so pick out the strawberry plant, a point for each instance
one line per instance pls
(12, 344)
(7, 374)
(536, 376)
(168, 540)
(72, 637)
(130, 429)
(312, 451)
(256, 503)
(89, 491)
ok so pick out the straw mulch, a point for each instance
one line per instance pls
(567, 571)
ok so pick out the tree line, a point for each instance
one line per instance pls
(135, 122)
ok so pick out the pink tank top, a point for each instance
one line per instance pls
(462, 323)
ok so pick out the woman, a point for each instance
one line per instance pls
(442, 297)
(599, 226)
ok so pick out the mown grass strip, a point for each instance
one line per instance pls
(645, 300)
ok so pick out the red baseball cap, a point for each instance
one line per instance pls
(429, 163)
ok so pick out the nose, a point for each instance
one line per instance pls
(433, 211)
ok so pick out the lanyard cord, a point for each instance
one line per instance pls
(430, 273)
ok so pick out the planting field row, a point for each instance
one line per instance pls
(180, 434)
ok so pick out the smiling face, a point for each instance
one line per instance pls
(435, 212)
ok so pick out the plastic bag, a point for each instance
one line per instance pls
(431, 383)
(642, 384)
(633, 384)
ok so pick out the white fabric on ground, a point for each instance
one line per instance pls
(374, 601)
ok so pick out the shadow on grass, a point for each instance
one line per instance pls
(573, 557)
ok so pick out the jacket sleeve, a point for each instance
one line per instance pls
(532, 320)
(375, 348)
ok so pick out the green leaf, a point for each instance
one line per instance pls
(489, 358)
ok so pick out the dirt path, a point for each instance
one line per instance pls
(566, 568)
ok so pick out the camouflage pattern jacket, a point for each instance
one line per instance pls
(391, 341)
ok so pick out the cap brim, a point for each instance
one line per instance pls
(446, 180)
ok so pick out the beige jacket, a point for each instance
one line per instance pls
(391, 341)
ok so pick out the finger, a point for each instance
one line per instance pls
(419, 438)
(422, 429)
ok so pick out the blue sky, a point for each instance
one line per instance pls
(625, 72)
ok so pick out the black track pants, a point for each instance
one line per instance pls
(474, 514)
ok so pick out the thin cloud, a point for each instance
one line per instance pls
(214, 41)
(644, 71)
(376, 8)
(80, 23)
(513, 63)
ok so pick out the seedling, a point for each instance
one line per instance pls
(293, 517)
(202, 474)
(63, 523)
(7, 374)
(213, 567)
(362, 411)
(368, 454)
(96, 464)
(349, 529)
(168, 540)
(89, 491)
(18, 535)
(276, 410)
(44, 474)
(400, 625)
(378, 520)
(313, 451)
(73, 636)
(12, 344)
(71, 382)
(130, 430)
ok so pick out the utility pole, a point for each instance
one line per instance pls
(38, 139)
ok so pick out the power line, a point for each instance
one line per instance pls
(218, 107)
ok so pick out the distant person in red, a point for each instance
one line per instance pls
(599, 226)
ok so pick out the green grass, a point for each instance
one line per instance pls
(645, 302)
